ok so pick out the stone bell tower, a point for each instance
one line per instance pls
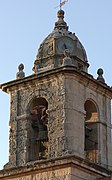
(60, 116)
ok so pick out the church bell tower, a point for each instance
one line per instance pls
(60, 116)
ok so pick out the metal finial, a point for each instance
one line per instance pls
(62, 3)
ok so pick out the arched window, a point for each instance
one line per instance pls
(37, 129)
(91, 131)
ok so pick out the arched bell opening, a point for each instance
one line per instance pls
(37, 129)
(91, 131)
(111, 121)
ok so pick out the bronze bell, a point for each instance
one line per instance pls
(42, 133)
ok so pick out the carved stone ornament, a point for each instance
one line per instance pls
(100, 75)
(67, 60)
(20, 74)
(56, 43)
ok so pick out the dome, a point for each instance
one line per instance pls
(51, 50)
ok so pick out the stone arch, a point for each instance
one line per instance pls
(37, 101)
(32, 96)
(37, 129)
(92, 110)
(91, 130)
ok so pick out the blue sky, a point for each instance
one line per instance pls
(23, 26)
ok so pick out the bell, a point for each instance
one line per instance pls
(35, 124)
(42, 133)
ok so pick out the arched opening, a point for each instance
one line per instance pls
(91, 131)
(111, 122)
(37, 129)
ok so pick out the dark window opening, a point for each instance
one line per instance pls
(91, 131)
(38, 131)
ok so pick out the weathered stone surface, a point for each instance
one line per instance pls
(52, 50)
(66, 91)
(60, 117)
(20, 74)
(57, 169)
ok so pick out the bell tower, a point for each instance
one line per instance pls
(60, 116)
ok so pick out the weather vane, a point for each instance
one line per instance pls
(62, 3)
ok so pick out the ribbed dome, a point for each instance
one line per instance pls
(57, 42)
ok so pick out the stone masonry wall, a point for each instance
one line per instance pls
(78, 91)
(53, 90)
(63, 174)
(66, 94)
(60, 169)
